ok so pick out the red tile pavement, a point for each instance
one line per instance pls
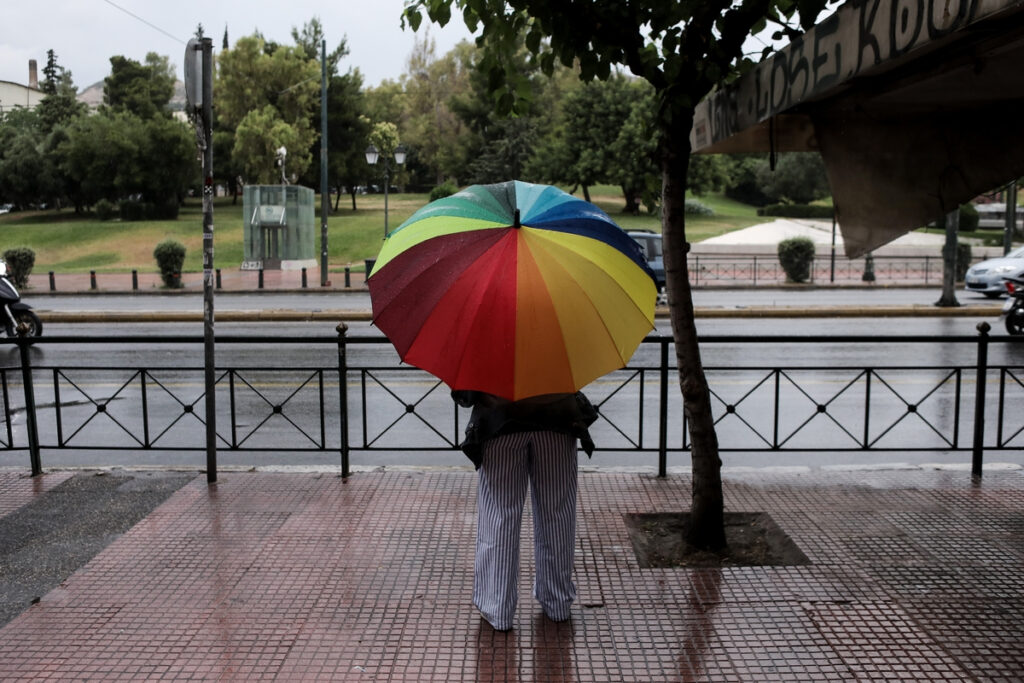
(17, 488)
(915, 575)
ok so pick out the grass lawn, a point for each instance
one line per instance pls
(68, 243)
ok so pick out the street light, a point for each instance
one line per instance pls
(372, 155)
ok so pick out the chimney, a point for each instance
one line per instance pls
(33, 79)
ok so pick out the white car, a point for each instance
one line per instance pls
(987, 277)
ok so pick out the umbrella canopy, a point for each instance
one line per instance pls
(513, 289)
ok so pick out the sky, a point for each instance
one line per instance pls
(85, 34)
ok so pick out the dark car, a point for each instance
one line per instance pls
(650, 245)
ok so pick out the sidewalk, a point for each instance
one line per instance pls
(914, 575)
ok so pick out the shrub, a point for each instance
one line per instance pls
(796, 211)
(132, 210)
(445, 189)
(170, 257)
(19, 265)
(105, 209)
(796, 255)
(968, 221)
(694, 207)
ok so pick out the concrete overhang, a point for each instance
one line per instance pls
(915, 106)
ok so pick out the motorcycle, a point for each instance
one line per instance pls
(1013, 308)
(18, 318)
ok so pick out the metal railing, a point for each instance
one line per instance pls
(351, 404)
(708, 269)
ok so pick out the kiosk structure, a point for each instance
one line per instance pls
(279, 227)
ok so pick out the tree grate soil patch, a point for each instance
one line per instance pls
(753, 540)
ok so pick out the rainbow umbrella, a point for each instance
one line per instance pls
(513, 289)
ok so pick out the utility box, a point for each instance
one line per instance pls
(279, 227)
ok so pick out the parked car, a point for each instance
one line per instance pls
(987, 277)
(650, 244)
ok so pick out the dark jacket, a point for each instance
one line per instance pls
(493, 416)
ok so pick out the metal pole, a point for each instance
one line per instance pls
(31, 426)
(978, 445)
(208, 319)
(663, 412)
(387, 182)
(325, 199)
(1011, 217)
(832, 270)
(342, 329)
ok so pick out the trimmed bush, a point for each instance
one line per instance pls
(105, 209)
(694, 207)
(19, 265)
(445, 189)
(796, 211)
(170, 257)
(796, 255)
(968, 221)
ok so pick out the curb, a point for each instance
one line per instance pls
(286, 315)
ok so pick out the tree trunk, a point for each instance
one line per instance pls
(586, 192)
(708, 506)
(948, 298)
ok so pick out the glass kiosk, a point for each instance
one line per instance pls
(279, 227)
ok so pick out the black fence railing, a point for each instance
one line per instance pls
(350, 394)
(707, 270)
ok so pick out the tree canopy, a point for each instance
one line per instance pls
(683, 50)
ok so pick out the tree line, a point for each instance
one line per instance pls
(134, 154)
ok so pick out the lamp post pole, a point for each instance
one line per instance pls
(372, 156)
(387, 181)
(325, 194)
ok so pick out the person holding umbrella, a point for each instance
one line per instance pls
(516, 296)
(515, 445)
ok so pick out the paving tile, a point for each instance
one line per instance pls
(914, 576)
(18, 488)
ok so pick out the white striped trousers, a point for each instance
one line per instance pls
(546, 461)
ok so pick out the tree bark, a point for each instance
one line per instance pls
(948, 298)
(708, 506)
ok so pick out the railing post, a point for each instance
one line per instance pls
(135, 280)
(92, 279)
(259, 280)
(31, 424)
(979, 401)
(663, 412)
(53, 283)
(348, 277)
(342, 329)
(304, 278)
(218, 279)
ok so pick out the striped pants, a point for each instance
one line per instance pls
(546, 461)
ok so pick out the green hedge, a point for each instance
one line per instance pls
(796, 211)
(170, 257)
(20, 262)
(796, 255)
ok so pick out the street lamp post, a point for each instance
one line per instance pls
(372, 155)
